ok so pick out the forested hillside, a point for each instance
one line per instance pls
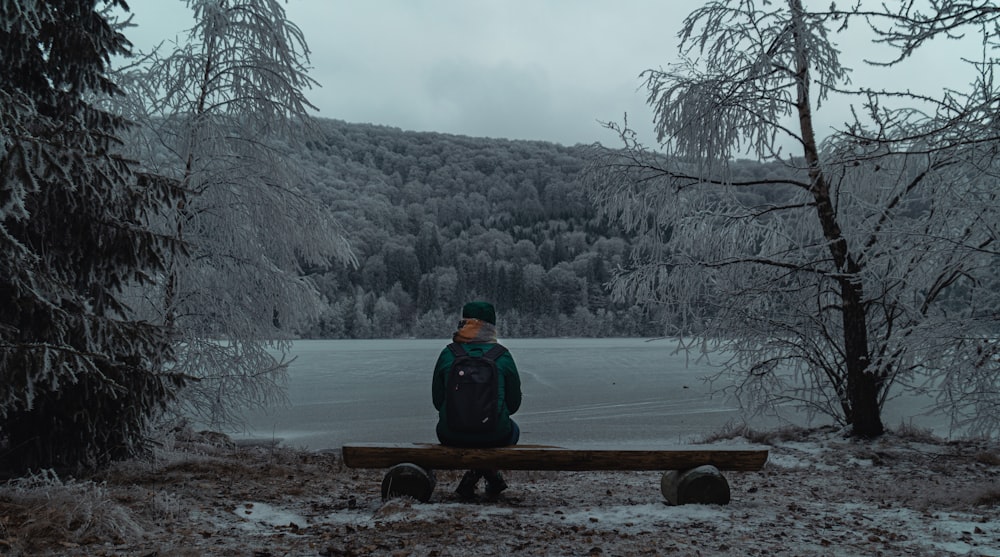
(435, 220)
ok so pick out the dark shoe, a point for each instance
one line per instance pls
(494, 484)
(467, 487)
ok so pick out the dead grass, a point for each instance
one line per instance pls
(42, 512)
(990, 497)
(816, 497)
(991, 458)
(761, 437)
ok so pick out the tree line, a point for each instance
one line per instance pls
(435, 220)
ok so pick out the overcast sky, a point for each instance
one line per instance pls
(549, 70)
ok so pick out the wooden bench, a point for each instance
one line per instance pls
(691, 473)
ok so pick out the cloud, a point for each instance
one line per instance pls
(524, 70)
(520, 69)
(504, 97)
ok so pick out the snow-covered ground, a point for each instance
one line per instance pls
(819, 494)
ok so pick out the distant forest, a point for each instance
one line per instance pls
(436, 219)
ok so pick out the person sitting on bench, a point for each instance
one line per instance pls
(476, 388)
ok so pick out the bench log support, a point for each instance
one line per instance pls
(702, 485)
(409, 480)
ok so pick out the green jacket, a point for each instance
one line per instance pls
(509, 395)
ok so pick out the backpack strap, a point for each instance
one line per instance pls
(457, 349)
(493, 353)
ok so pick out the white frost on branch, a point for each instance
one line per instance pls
(896, 214)
(220, 114)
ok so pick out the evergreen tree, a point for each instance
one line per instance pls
(79, 380)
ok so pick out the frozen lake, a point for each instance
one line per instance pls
(579, 391)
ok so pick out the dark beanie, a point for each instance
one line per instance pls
(482, 311)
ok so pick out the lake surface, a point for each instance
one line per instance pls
(585, 392)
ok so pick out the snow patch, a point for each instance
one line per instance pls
(788, 461)
(963, 534)
(262, 513)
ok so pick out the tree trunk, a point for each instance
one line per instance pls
(863, 385)
(862, 409)
(865, 389)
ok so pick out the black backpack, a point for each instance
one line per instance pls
(472, 402)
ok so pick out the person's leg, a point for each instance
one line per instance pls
(495, 482)
(467, 487)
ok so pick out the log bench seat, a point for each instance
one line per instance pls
(691, 473)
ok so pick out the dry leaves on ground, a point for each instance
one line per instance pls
(820, 494)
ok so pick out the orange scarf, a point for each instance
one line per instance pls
(475, 330)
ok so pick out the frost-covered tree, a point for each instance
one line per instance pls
(220, 112)
(869, 269)
(79, 380)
